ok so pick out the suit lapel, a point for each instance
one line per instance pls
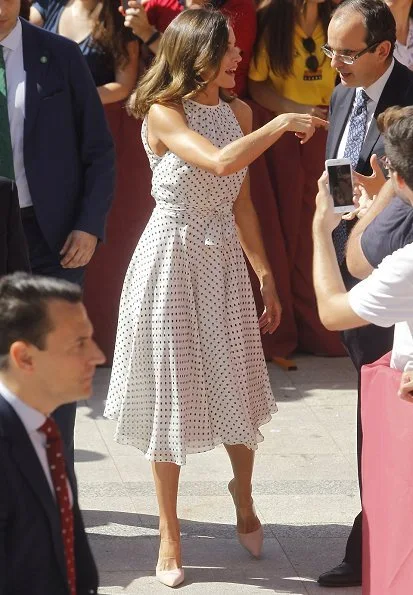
(371, 139)
(27, 462)
(340, 116)
(36, 61)
(390, 96)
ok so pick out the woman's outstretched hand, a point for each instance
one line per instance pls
(303, 125)
(271, 317)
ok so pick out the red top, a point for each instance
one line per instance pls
(243, 20)
(162, 12)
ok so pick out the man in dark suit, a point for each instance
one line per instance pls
(13, 248)
(47, 358)
(361, 39)
(58, 149)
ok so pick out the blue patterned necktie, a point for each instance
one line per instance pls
(355, 140)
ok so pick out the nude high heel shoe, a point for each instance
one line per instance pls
(253, 540)
(170, 577)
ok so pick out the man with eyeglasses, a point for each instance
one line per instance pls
(361, 39)
(383, 298)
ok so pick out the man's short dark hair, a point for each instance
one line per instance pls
(24, 309)
(396, 125)
(378, 19)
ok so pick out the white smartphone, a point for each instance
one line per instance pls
(341, 184)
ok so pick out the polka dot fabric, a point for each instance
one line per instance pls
(188, 370)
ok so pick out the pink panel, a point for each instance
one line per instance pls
(387, 469)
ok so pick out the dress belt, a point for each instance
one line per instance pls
(220, 221)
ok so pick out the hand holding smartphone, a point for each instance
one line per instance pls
(340, 184)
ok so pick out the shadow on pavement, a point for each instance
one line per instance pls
(211, 553)
(87, 456)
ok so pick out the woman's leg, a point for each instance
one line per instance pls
(242, 461)
(166, 476)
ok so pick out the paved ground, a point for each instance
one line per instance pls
(305, 493)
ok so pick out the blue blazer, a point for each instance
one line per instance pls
(68, 150)
(31, 550)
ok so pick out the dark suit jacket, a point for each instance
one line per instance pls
(13, 249)
(368, 343)
(31, 551)
(397, 91)
(68, 150)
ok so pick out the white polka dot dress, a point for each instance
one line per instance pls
(188, 370)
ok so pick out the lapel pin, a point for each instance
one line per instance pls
(43, 59)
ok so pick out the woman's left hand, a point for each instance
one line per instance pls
(271, 317)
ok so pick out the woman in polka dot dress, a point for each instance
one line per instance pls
(188, 371)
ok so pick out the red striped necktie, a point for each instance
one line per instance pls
(57, 465)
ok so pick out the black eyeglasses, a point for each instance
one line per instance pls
(312, 61)
(346, 59)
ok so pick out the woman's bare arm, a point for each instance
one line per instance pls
(263, 93)
(168, 130)
(35, 17)
(249, 233)
(125, 78)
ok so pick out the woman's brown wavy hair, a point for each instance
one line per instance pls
(189, 57)
(110, 34)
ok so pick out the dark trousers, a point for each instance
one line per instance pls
(45, 261)
(364, 345)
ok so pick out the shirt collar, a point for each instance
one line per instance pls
(375, 90)
(30, 418)
(13, 39)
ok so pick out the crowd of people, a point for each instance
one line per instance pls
(221, 95)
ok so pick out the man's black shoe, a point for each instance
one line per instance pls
(342, 575)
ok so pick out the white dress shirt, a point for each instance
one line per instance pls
(32, 421)
(16, 97)
(385, 298)
(374, 92)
